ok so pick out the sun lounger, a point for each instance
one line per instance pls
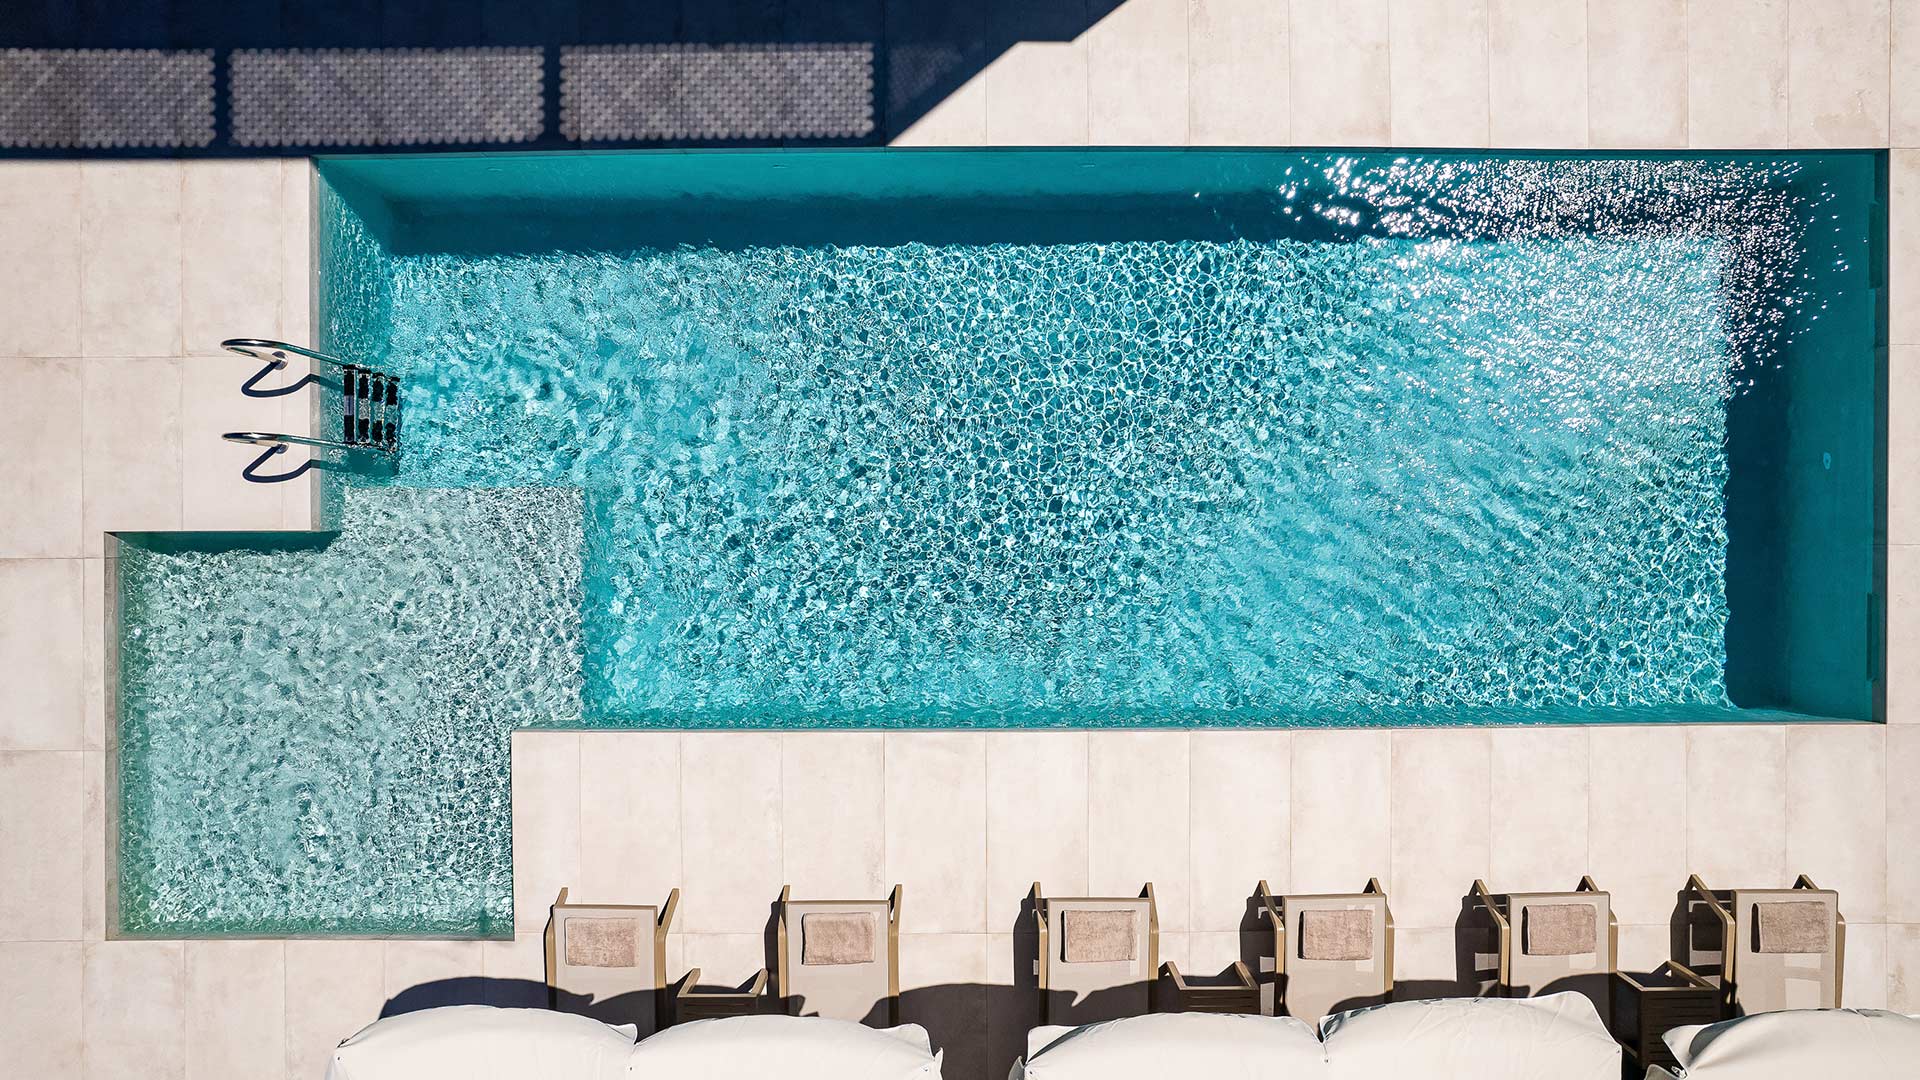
(840, 958)
(609, 961)
(1098, 956)
(1331, 951)
(1767, 949)
(1547, 942)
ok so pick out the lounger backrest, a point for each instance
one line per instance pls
(1562, 941)
(609, 961)
(1333, 952)
(1099, 957)
(840, 959)
(1787, 949)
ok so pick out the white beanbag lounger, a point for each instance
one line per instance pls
(1847, 1044)
(480, 1042)
(787, 1048)
(1186, 1046)
(1556, 1036)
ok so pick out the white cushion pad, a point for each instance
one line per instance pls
(479, 1042)
(1558, 1036)
(787, 1048)
(1189, 1046)
(1863, 1044)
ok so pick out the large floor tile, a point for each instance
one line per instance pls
(1036, 819)
(1903, 634)
(1137, 819)
(1903, 824)
(1903, 248)
(40, 258)
(1905, 68)
(1441, 781)
(1837, 813)
(135, 1009)
(1137, 75)
(1238, 73)
(214, 496)
(730, 831)
(131, 258)
(1903, 968)
(629, 817)
(1538, 73)
(1240, 819)
(297, 264)
(833, 814)
(131, 447)
(1637, 819)
(1903, 443)
(958, 119)
(236, 1010)
(1866, 966)
(1338, 51)
(937, 829)
(1037, 87)
(516, 971)
(42, 605)
(943, 988)
(1737, 72)
(1637, 73)
(427, 974)
(1342, 810)
(1439, 60)
(546, 822)
(334, 988)
(42, 858)
(40, 1009)
(232, 230)
(1538, 822)
(1837, 74)
(1737, 805)
(40, 430)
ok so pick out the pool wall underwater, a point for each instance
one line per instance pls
(1691, 542)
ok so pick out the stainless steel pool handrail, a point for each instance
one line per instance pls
(272, 438)
(275, 354)
(277, 443)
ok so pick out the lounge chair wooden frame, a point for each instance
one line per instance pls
(839, 993)
(649, 1014)
(1752, 981)
(1078, 982)
(1238, 995)
(692, 1003)
(1518, 973)
(1303, 986)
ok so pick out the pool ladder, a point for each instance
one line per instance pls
(370, 411)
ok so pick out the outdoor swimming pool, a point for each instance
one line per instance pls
(1007, 438)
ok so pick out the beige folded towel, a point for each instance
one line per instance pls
(1345, 934)
(1094, 936)
(603, 943)
(1560, 929)
(833, 938)
(1794, 926)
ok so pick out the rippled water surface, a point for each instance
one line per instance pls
(1421, 442)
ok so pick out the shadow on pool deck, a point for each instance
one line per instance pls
(238, 77)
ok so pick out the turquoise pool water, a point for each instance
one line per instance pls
(1007, 439)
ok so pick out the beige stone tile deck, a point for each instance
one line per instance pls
(115, 276)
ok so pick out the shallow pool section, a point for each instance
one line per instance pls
(1009, 439)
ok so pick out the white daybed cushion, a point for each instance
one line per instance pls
(480, 1042)
(1557, 1035)
(1856, 1044)
(786, 1047)
(1187, 1046)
